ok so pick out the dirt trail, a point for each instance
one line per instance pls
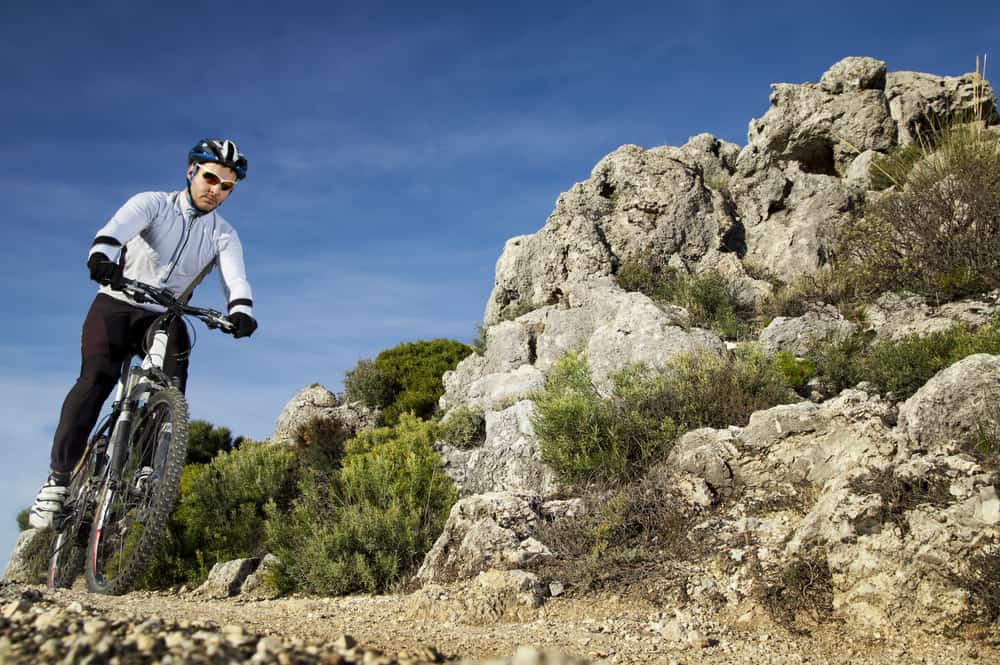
(602, 627)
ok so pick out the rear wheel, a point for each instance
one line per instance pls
(131, 512)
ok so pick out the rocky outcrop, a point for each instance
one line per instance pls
(896, 315)
(27, 560)
(614, 328)
(486, 532)
(343, 420)
(796, 335)
(508, 461)
(228, 577)
(955, 409)
(824, 127)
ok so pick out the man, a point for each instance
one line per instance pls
(166, 239)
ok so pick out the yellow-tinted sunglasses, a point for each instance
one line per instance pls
(214, 179)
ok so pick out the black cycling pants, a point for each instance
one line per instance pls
(113, 332)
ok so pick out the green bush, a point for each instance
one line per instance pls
(899, 366)
(371, 384)
(939, 233)
(205, 441)
(367, 526)
(220, 512)
(797, 371)
(405, 378)
(464, 428)
(584, 436)
(707, 297)
(22, 520)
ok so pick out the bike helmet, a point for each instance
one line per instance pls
(220, 151)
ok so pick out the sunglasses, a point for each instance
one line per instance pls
(213, 179)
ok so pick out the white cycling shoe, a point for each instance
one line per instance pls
(48, 503)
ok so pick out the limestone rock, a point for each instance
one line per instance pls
(27, 560)
(946, 414)
(824, 127)
(483, 532)
(508, 461)
(636, 203)
(922, 102)
(227, 577)
(316, 401)
(796, 335)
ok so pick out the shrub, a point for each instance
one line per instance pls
(367, 526)
(939, 233)
(371, 384)
(707, 297)
(899, 366)
(981, 580)
(205, 441)
(319, 441)
(464, 428)
(703, 389)
(220, 512)
(584, 436)
(799, 593)
(622, 534)
(797, 371)
(405, 378)
(22, 520)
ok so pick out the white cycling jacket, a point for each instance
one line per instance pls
(167, 242)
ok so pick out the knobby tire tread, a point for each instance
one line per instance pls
(160, 508)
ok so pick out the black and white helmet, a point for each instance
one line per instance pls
(220, 151)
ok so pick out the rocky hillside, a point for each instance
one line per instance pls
(876, 500)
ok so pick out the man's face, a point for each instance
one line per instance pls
(210, 184)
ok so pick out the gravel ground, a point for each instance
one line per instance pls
(73, 626)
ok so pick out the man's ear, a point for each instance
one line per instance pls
(190, 171)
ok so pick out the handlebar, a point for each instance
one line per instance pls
(141, 292)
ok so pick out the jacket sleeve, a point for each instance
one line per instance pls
(137, 213)
(239, 297)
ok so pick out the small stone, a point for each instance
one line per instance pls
(696, 638)
(556, 589)
(94, 626)
(144, 643)
(345, 642)
(16, 607)
(269, 644)
(75, 607)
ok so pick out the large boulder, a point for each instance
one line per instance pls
(896, 315)
(27, 560)
(790, 217)
(508, 461)
(613, 327)
(920, 103)
(484, 532)
(637, 203)
(796, 335)
(955, 408)
(825, 127)
(344, 420)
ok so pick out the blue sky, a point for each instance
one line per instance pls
(393, 148)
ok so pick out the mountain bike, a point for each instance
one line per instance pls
(125, 485)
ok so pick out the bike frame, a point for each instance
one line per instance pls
(137, 383)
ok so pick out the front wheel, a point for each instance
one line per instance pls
(134, 505)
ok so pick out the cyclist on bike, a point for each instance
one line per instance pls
(166, 239)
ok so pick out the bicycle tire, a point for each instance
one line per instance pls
(69, 545)
(132, 512)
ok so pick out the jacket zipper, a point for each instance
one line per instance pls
(185, 234)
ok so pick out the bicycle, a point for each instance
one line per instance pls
(124, 487)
